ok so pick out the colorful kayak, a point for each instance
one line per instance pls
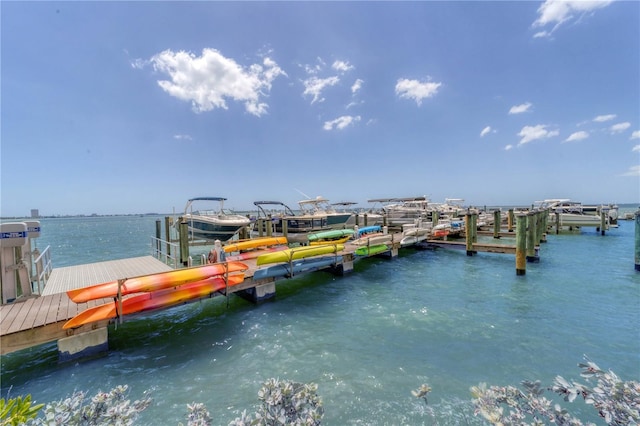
(374, 239)
(254, 243)
(252, 254)
(296, 267)
(155, 281)
(298, 253)
(372, 250)
(336, 241)
(368, 230)
(330, 235)
(154, 300)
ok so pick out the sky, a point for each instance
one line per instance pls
(135, 107)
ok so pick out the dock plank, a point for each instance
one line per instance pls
(22, 314)
(52, 314)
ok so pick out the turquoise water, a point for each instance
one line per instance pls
(367, 339)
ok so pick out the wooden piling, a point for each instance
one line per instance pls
(532, 255)
(184, 242)
(521, 244)
(603, 220)
(496, 224)
(510, 220)
(637, 254)
(167, 233)
(471, 229)
(269, 223)
(158, 235)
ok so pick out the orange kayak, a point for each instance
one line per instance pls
(154, 300)
(154, 282)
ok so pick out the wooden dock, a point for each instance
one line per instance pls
(39, 320)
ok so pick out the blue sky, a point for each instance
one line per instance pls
(134, 107)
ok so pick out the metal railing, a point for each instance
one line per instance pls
(43, 269)
(165, 251)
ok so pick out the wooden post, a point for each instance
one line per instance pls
(269, 225)
(167, 233)
(544, 219)
(521, 244)
(510, 220)
(184, 242)
(158, 237)
(470, 229)
(285, 226)
(637, 253)
(558, 224)
(435, 216)
(532, 255)
(603, 220)
(496, 224)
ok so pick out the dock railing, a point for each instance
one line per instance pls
(43, 269)
(165, 251)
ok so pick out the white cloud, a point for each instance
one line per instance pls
(508, 147)
(207, 80)
(635, 134)
(577, 136)
(485, 131)
(635, 148)
(356, 86)
(633, 171)
(342, 66)
(314, 86)
(416, 90)
(620, 127)
(183, 137)
(340, 122)
(557, 12)
(532, 133)
(519, 109)
(603, 118)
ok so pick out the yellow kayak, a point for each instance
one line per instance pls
(298, 253)
(254, 243)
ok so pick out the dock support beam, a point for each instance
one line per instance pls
(83, 345)
(184, 242)
(521, 244)
(471, 232)
(259, 293)
(496, 224)
(637, 251)
(531, 232)
(510, 220)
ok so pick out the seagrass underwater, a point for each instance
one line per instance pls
(367, 339)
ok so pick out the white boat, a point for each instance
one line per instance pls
(320, 207)
(402, 211)
(211, 223)
(278, 213)
(567, 213)
(360, 217)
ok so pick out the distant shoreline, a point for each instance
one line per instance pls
(625, 206)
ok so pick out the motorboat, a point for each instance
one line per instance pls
(319, 207)
(212, 223)
(567, 213)
(279, 215)
(402, 211)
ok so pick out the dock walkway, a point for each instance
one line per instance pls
(39, 320)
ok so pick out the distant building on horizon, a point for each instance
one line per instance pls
(35, 213)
